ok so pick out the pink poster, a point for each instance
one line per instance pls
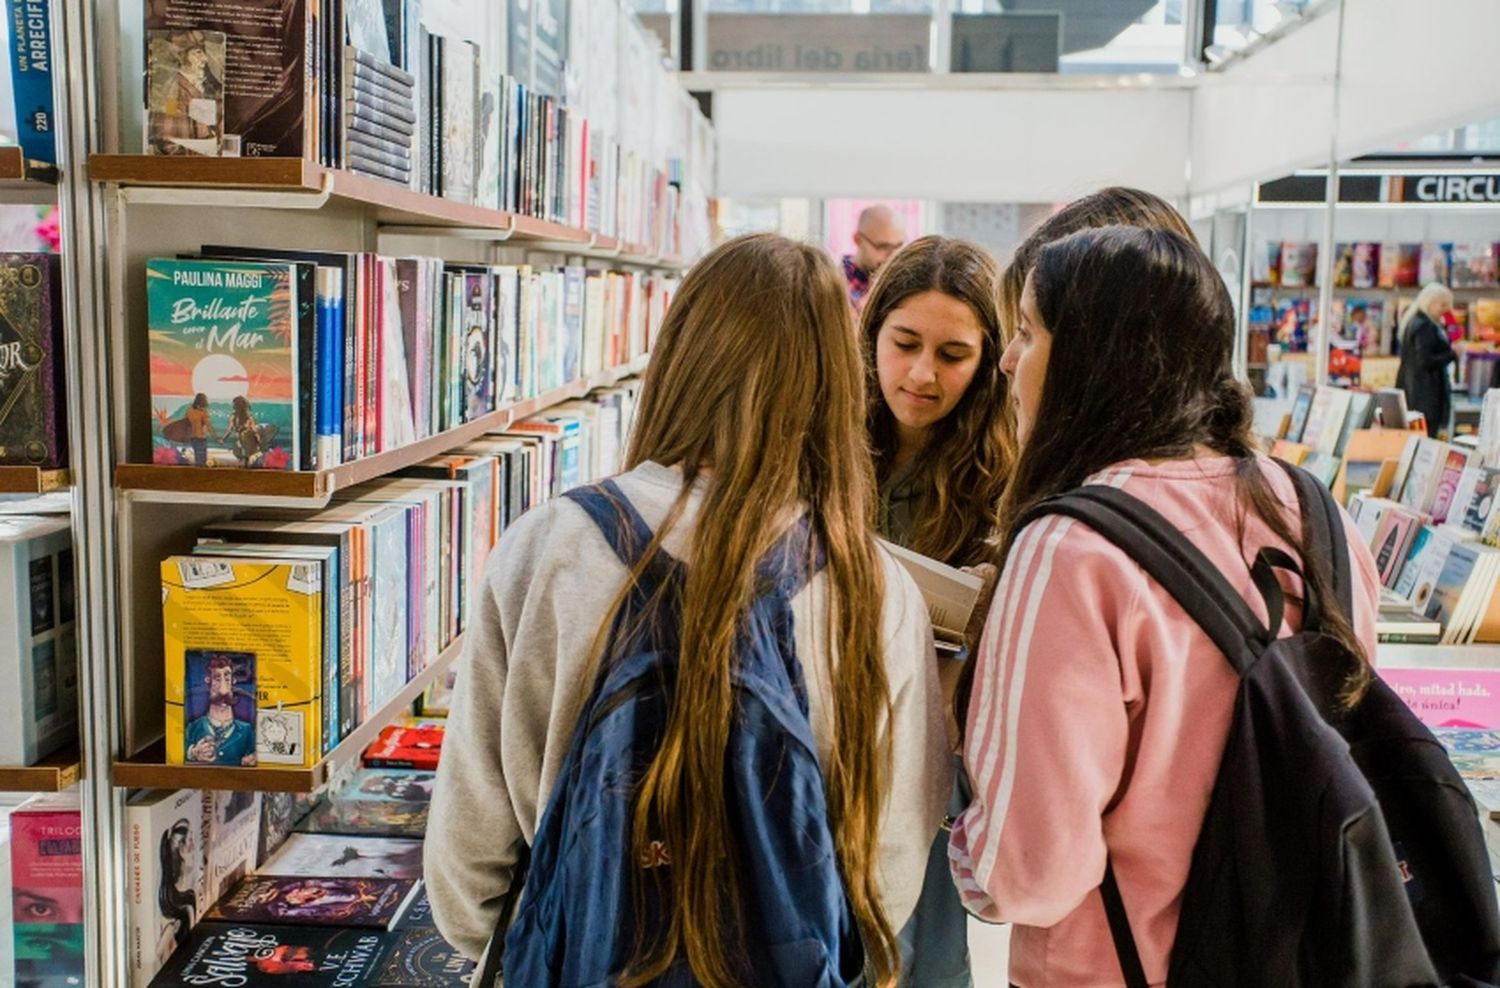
(1449, 697)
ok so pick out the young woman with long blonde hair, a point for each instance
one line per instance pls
(751, 418)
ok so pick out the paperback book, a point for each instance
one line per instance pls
(224, 371)
(344, 856)
(299, 900)
(32, 421)
(168, 880)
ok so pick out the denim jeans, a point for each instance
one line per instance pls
(935, 941)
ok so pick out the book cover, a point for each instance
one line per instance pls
(1451, 580)
(185, 92)
(232, 954)
(32, 406)
(30, 36)
(39, 677)
(459, 64)
(1299, 264)
(1331, 427)
(1447, 485)
(224, 368)
(478, 342)
(342, 856)
(362, 817)
(233, 829)
(390, 604)
(400, 747)
(1425, 472)
(421, 958)
(279, 814)
(487, 141)
(168, 886)
(393, 785)
(267, 82)
(243, 643)
(1474, 266)
(1435, 263)
(298, 900)
(1365, 267)
(1343, 265)
(1301, 409)
(46, 868)
(1400, 265)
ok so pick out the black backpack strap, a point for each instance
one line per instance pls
(494, 957)
(1175, 563)
(1323, 527)
(1119, 930)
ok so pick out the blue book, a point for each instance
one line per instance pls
(31, 78)
(572, 324)
(329, 415)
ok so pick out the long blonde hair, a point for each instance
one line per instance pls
(1430, 292)
(756, 388)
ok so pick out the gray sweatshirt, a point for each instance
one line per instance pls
(547, 589)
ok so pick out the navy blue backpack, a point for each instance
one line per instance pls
(575, 920)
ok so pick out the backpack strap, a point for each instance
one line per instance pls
(1119, 930)
(1323, 526)
(621, 525)
(1179, 566)
(791, 562)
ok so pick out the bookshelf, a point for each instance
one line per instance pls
(396, 208)
(148, 770)
(320, 485)
(54, 773)
(33, 480)
(18, 174)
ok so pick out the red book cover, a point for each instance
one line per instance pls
(406, 747)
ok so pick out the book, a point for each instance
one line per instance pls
(1299, 264)
(1454, 464)
(1474, 265)
(1400, 265)
(1426, 471)
(392, 785)
(1365, 265)
(346, 856)
(280, 812)
(1301, 410)
(949, 593)
(224, 363)
(1361, 412)
(1434, 263)
(243, 642)
(303, 900)
(232, 832)
(402, 747)
(46, 870)
(315, 957)
(1331, 423)
(33, 429)
(460, 60)
(39, 673)
(168, 880)
(374, 818)
(185, 92)
(267, 86)
(30, 40)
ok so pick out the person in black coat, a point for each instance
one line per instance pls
(1425, 356)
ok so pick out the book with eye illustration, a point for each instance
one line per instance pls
(949, 593)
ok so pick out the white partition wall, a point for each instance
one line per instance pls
(1042, 142)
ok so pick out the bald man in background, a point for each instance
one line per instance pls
(880, 233)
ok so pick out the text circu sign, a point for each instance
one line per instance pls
(1445, 188)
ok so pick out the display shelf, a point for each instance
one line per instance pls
(149, 770)
(1409, 289)
(32, 480)
(18, 173)
(320, 484)
(54, 773)
(393, 205)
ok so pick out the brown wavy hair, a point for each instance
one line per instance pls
(963, 468)
(1116, 205)
(781, 434)
(1140, 367)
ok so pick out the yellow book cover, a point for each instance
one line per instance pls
(243, 661)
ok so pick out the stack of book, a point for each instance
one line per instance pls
(314, 891)
(380, 119)
(287, 359)
(285, 630)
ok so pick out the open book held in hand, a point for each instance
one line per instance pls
(950, 595)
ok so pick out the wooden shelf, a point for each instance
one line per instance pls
(32, 480)
(18, 173)
(149, 770)
(322, 483)
(392, 204)
(52, 774)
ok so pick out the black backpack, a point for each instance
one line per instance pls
(1338, 848)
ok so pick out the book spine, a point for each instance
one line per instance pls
(376, 150)
(31, 78)
(366, 89)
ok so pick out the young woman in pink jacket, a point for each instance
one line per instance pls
(1100, 711)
